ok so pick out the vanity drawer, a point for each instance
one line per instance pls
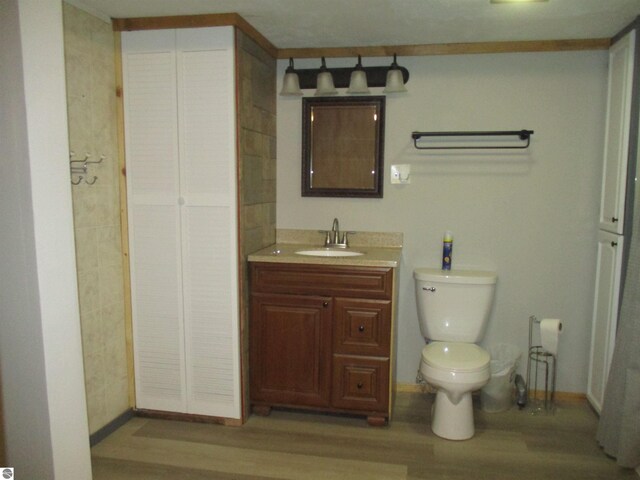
(348, 281)
(362, 327)
(360, 383)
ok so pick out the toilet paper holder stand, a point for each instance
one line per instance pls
(540, 361)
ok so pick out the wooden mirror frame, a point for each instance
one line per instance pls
(346, 190)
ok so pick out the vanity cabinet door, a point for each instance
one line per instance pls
(290, 342)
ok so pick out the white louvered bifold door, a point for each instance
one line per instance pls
(206, 112)
(151, 134)
(180, 145)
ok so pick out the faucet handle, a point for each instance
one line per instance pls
(345, 238)
(327, 237)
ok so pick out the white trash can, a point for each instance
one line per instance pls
(497, 395)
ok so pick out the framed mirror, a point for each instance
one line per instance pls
(342, 146)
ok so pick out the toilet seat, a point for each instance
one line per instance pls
(456, 357)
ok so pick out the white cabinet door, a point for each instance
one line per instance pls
(616, 149)
(179, 102)
(605, 314)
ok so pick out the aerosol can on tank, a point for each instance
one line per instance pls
(447, 250)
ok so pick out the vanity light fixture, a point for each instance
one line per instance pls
(358, 82)
(324, 81)
(290, 82)
(356, 79)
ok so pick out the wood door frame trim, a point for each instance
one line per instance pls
(124, 219)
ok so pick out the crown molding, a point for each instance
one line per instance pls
(235, 20)
(195, 21)
(449, 49)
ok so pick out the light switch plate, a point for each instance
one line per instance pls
(401, 174)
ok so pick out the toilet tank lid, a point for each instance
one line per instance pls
(455, 276)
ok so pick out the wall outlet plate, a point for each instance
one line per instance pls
(401, 173)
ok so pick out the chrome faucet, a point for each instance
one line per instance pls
(335, 231)
(333, 238)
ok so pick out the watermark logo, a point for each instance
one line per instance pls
(7, 473)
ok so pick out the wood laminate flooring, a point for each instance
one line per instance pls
(296, 445)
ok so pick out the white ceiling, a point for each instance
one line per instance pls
(349, 23)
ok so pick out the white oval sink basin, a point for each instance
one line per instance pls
(329, 252)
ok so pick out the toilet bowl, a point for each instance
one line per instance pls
(453, 310)
(455, 370)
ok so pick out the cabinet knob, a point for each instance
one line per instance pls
(361, 328)
(614, 244)
(360, 385)
(614, 219)
(325, 304)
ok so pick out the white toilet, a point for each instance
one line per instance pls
(453, 309)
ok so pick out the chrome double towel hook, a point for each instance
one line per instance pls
(80, 168)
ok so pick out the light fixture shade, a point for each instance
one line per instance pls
(358, 82)
(324, 81)
(290, 82)
(291, 85)
(325, 84)
(395, 82)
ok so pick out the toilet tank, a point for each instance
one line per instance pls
(454, 305)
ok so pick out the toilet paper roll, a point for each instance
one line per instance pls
(550, 329)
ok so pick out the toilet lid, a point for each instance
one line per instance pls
(455, 356)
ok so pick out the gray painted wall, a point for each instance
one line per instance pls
(531, 215)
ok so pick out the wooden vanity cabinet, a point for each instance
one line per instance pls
(320, 338)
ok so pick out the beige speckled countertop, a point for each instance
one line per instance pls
(378, 249)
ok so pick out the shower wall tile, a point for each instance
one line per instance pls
(88, 293)
(84, 205)
(111, 290)
(97, 409)
(108, 246)
(94, 366)
(87, 246)
(111, 318)
(92, 333)
(91, 104)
